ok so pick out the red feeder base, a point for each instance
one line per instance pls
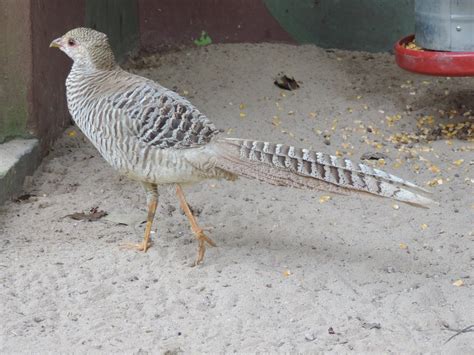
(430, 62)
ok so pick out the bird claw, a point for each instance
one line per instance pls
(202, 240)
(139, 247)
(207, 228)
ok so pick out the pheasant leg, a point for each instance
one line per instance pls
(198, 231)
(152, 199)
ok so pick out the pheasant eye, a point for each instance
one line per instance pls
(71, 42)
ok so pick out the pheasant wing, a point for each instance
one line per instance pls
(160, 117)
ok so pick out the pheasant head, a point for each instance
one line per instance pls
(87, 48)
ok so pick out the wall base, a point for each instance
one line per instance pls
(18, 159)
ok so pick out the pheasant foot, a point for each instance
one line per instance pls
(198, 231)
(152, 198)
(137, 246)
(202, 240)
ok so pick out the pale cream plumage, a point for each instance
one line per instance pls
(155, 136)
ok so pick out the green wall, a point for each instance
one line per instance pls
(369, 25)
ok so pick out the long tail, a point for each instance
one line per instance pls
(284, 165)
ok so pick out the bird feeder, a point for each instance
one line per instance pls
(443, 43)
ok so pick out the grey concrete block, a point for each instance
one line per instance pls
(18, 159)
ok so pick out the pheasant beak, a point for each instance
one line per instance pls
(56, 43)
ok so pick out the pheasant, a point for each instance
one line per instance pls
(154, 136)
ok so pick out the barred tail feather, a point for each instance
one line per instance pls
(285, 165)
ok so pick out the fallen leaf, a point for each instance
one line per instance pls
(24, 197)
(286, 83)
(458, 283)
(403, 246)
(424, 226)
(371, 325)
(93, 215)
(458, 162)
(243, 114)
(129, 218)
(286, 273)
(72, 133)
(373, 156)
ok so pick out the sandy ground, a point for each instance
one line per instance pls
(293, 271)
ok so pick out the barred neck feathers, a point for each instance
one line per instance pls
(98, 58)
(102, 58)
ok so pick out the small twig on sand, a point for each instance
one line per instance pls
(465, 330)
